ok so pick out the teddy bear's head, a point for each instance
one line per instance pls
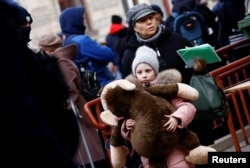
(108, 117)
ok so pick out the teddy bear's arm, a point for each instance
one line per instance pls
(187, 92)
(117, 149)
(116, 136)
(172, 90)
(163, 90)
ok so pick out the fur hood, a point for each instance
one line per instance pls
(163, 77)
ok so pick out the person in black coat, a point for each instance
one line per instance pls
(38, 131)
(146, 31)
(117, 32)
(229, 12)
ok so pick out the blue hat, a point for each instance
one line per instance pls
(157, 9)
(23, 16)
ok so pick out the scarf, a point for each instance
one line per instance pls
(152, 39)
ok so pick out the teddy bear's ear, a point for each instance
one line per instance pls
(124, 84)
(109, 118)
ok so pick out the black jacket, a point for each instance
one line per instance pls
(167, 44)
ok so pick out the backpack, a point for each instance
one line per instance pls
(90, 85)
(192, 26)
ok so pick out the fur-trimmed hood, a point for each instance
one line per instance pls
(163, 77)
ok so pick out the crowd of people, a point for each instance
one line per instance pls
(39, 85)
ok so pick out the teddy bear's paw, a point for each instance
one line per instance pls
(199, 155)
(109, 118)
(118, 156)
(187, 92)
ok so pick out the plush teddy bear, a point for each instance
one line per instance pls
(147, 107)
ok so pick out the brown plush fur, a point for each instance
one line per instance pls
(149, 137)
(168, 76)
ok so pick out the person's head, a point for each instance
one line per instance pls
(145, 65)
(180, 6)
(72, 21)
(23, 22)
(116, 19)
(49, 43)
(158, 13)
(142, 19)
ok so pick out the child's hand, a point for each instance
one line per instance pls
(172, 123)
(130, 123)
(125, 133)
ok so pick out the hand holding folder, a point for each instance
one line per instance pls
(204, 51)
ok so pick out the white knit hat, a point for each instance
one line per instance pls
(146, 55)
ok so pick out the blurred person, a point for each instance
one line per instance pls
(40, 132)
(90, 54)
(203, 128)
(178, 6)
(212, 26)
(158, 13)
(49, 43)
(229, 12)
(65, 56)
(117, 31)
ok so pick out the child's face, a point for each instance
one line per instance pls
(144, 73)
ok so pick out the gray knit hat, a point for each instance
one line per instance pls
(146, 55)
(137, 12)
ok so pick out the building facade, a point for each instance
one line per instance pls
(98, 13)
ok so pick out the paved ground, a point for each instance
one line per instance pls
(226, 144)
(245, 148)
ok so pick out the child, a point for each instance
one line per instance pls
(145, 68)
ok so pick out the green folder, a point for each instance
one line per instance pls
(204, 51)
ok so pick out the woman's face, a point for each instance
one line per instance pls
(146, 27)
(144, 73)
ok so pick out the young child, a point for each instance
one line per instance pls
(145, 68)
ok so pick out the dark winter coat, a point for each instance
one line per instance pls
(229, 13)
(167, 44)
(116, 33)
(39, 132)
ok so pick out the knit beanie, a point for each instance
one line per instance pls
(50, 42)
(146, 55)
